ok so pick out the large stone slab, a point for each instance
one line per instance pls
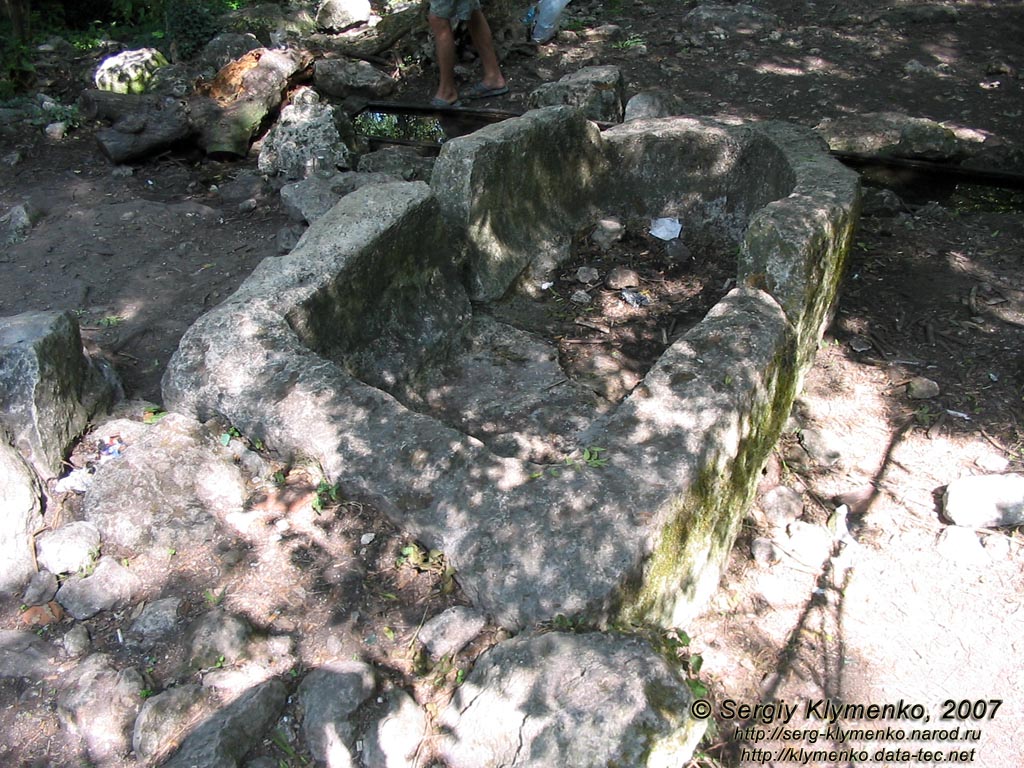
(570, 701)
(509, 221)
(172, 486)
(306, 354)
(49, 388)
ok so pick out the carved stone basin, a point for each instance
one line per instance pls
(374, 349)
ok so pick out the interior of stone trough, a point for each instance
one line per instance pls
(429, 343)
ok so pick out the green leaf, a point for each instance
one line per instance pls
(697, 688)
(389, 633)
(696, 662)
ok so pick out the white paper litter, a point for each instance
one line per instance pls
(666, 229)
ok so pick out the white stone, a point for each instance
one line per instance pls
(986, 501)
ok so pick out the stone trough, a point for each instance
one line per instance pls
(339, 352)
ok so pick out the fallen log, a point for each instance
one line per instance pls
(142, 125)
(222, 117)
(260, 90)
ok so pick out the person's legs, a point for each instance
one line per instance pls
(480, 32)
(444, 43)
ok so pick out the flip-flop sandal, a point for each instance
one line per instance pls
(442, 104)
(481, 91)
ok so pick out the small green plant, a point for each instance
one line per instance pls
(219, 664)
(153, 414)
(428, 561)
(145, 693)
(213, 599)
(231, 433)
(631, 42)
(278, 477)
(326, 494)
(111, 321)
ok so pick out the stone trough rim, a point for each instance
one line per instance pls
(794, 321)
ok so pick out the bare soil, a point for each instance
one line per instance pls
(934, 291)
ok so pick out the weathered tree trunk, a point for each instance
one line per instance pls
(242, 103)
(222, 117)
(141, 125)
(19, 14)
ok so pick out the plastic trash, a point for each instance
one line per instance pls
(666, 229)
(549, 13)
(634, 298)
(78, 481)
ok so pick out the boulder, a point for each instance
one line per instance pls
(327, 698)
(402, 162)
(24, 655)
(223, 738)
(342, 14)
(226, 47)
(21, 516)
(534, 700)
(341, 78)
(598, 92)
(891, 134)
(49, 388)
(305, 139)
(129, 71)
(309, 199)
(165, 717)
(99, 703)
(110, 585)
(168, 489)
(68, 549)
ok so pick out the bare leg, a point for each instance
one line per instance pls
(480, 32)
(444, 43)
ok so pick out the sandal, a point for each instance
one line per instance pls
(484, 91)
(440, 103)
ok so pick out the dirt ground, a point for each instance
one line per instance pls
(935, 290)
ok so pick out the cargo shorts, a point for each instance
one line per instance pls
(454, 9)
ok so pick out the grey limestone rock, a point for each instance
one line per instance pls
(341, 14)
(164, 718)
(985, 501)
(226, 47)
(217, 636)
(99, 702)
(49, 388)
(309, 199)
(892, 134)
(109, 586)
(24, 654)
(170, 487)
(157, 620)
(41, 589)
(450, 631)
(648, 104)
(533, 701)
(129, 71)
(781, 506)
(393, 741)
(69, 548)
(401, 162)
(341, 78)
(77, 641)
(305, 139)
(223, 738)
(327, 697)
(598, 92)
(20, 502)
